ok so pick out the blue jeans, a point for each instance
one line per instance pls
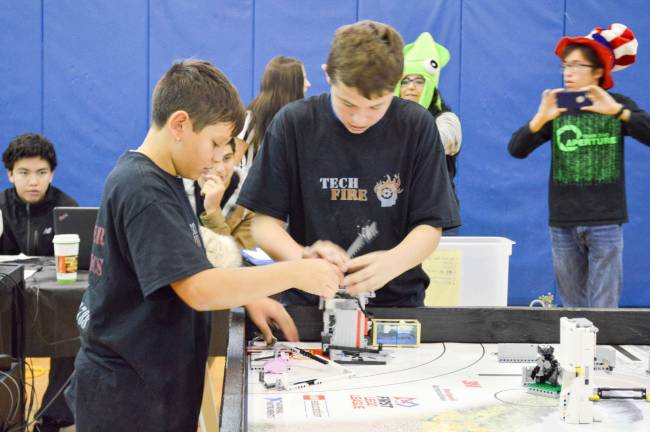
(588, 265)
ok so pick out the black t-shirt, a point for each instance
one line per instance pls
(143, 350)
(587, 178)
(329, 183)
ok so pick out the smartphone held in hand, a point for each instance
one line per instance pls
(573, 100)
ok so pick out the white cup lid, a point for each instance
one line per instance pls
(66, 238)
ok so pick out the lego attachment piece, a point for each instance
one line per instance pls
(622, 393)
(396, 332)
(517, 353)
(366, 235)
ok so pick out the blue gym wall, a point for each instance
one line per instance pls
(82, 73)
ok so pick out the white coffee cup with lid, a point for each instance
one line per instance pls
(66, 253)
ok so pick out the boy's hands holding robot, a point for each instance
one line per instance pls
(330, 252)
(369, 272)
(320, 277)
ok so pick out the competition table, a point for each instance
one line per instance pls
(452, 382)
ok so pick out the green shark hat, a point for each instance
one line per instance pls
(427, 58)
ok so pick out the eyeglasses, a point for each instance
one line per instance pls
(417, 81)
(576, 66)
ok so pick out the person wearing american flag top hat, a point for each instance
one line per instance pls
(587, 199)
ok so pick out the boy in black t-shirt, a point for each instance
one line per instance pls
(144, 339)
(331, 164)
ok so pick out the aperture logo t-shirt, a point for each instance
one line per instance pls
(587, 150)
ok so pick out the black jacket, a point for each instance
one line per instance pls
(28, 228)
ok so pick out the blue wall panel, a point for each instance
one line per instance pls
(83, 75)
(505, 68)
(441, 18)
(20, 72)
(634, 82)
(95, 87)
(300, 29)
(218, 31)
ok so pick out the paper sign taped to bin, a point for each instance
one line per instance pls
(443, 267)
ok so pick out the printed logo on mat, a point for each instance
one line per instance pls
(274, 407)
(444, 395)
(366, 402)
(315, 406)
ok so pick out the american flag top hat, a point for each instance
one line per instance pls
(616, 46)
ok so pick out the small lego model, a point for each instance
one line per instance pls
(347, 331)
(543, 378)
(279, 364)
(569, 377)
(280, 379)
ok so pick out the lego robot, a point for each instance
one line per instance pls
(347, 326)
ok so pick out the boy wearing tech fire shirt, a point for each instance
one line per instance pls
(331, 164)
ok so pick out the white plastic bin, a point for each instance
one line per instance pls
(469, 271)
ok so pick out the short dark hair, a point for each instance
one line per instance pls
(29, 145)
(368, 56)
(200, 89)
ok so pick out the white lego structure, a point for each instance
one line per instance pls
(605, 358)
(345, 325)
(576, 358)
(346, 335)
(347, 331)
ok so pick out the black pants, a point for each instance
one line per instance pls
(57, 414)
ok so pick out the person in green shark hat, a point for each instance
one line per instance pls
(423, 62)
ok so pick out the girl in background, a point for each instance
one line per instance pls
(284, 80)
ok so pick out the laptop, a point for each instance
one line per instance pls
(77, 220)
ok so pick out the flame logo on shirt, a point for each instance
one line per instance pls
(388, 190)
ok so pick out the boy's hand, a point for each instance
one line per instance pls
(319, 277)
(547, 111)
(602, 102)
(369, 272)
(213, 189)
(328, 251)
(266, 312)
